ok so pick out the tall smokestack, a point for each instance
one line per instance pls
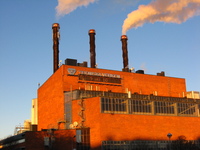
(56, 37)
(125, 52)
(92, 48)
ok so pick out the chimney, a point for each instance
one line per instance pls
(125, 53)
(92, 48)
(56, 37)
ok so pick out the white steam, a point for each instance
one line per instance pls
(66, 6)
(169, 11)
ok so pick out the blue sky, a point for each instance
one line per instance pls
(26, 54)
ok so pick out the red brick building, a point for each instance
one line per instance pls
(88, 108)
(117, 106)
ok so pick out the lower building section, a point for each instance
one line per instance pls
(50, 139)
(79, 139)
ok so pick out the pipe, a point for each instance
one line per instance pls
(56, 38)
(125, 53)
(92, 48)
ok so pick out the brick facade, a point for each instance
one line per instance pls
(104, 127)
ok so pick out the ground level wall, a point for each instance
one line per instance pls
(58, 139)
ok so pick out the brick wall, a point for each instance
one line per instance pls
(140, 83)
(63, 139)
(51, 102)
(51, 97)
(105, 127)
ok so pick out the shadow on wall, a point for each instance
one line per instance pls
(181, 143)
(61, 140)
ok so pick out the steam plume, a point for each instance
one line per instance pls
(169, 11)
(66, 6)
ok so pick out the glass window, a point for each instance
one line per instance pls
(114, 105)
(167, 108)
(140, 106)
(83, 139)
(186, 109)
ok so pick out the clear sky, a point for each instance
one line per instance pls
(26, 54)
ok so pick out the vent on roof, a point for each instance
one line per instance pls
(71, 62)
(140, 71)
(162, 73)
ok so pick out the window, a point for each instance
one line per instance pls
(149, 107)
(114, 105)
(165, 108)
(68, 111)
(99, 79)
(83, 139)
(143, 145)
(186, 109)
(140, 106)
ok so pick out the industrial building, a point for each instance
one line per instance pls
(81, 107)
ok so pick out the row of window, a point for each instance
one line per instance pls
(149, 145)
(130, 106)
(77, 94)
(99, 79)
